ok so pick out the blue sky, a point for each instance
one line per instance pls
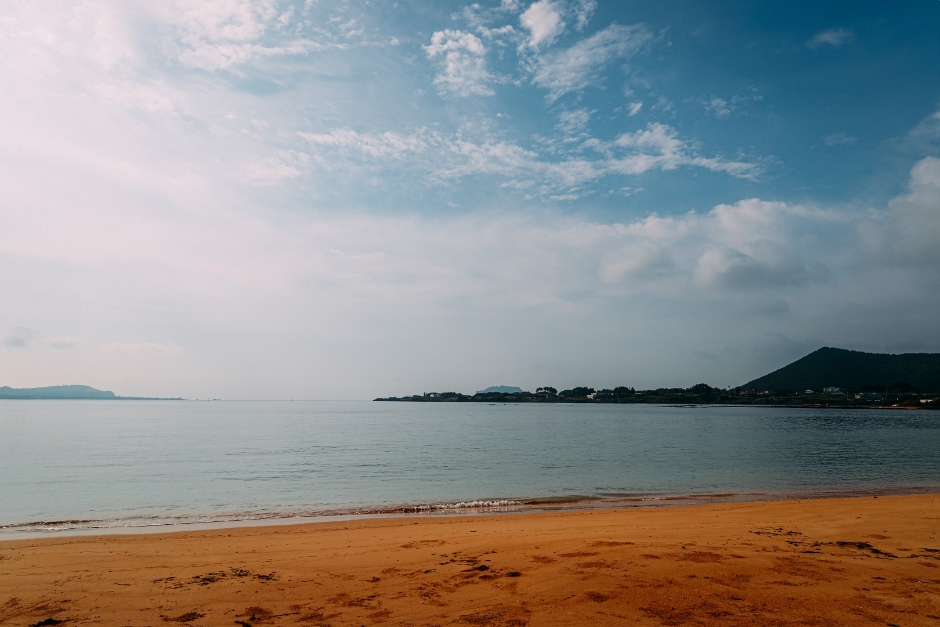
(321, 199)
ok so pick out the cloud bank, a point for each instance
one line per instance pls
(275, 199)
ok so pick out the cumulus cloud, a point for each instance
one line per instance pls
(834, 37)
(132, 209)
(768, 265)
(543, 21)
(909, 231)
(579, 66)
(348, 279)
(642, 259)
(463, 70)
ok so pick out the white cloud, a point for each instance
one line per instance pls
(132, 209)
(386, 144)
(285, 18)
(656, 138)
(834, 37)
(579, 67)
(447, 158)
(284, 164)
(635, 108)
(658, 146)
(222, 56)
(543, 21)
(839, 139)
(574, 122)
(289, 289)
(498, 34)
(583, 10)
(768, 265)
(718, 106)
(219, 34)
(909, 231)
(643, 259)
(463, 63)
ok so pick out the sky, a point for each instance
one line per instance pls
(265, 199)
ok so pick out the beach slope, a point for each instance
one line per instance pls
(847, 561)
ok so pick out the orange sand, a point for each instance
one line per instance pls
(852, 561)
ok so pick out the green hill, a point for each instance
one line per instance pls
(55, 391)
(853, 370)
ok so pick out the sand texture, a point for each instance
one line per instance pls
(858, 561)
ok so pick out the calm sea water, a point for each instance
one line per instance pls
(92, 464)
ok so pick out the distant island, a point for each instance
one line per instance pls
(501, 389)
(69, 392)
(832, 377)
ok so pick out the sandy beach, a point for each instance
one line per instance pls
(847, 561)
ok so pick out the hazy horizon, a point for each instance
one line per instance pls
(351, 199)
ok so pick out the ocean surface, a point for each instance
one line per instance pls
(67, 465)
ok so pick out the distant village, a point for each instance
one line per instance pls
(898, 395)
(810, 381)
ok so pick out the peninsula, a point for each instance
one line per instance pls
(831, 377)
(69, 392)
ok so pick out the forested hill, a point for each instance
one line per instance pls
(70, 392)
(854, 370)
(55, 391)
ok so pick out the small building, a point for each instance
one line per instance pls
(832, 390)
(755, 392)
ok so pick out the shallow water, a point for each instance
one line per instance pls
(93, 464)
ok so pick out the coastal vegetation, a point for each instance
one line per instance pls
(826, 377)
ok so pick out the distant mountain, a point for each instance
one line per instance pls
(502, 389)
(838, 367)
(55, 391)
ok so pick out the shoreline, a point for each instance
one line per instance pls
(847, 561)
(481, 507)
(664, 403)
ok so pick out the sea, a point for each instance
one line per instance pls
(87, 466)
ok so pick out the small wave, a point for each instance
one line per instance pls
(153, 522)
(449, 507)
(562, 500)
(145, 523)
(51, 524)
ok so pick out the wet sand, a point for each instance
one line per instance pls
(851, 561)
